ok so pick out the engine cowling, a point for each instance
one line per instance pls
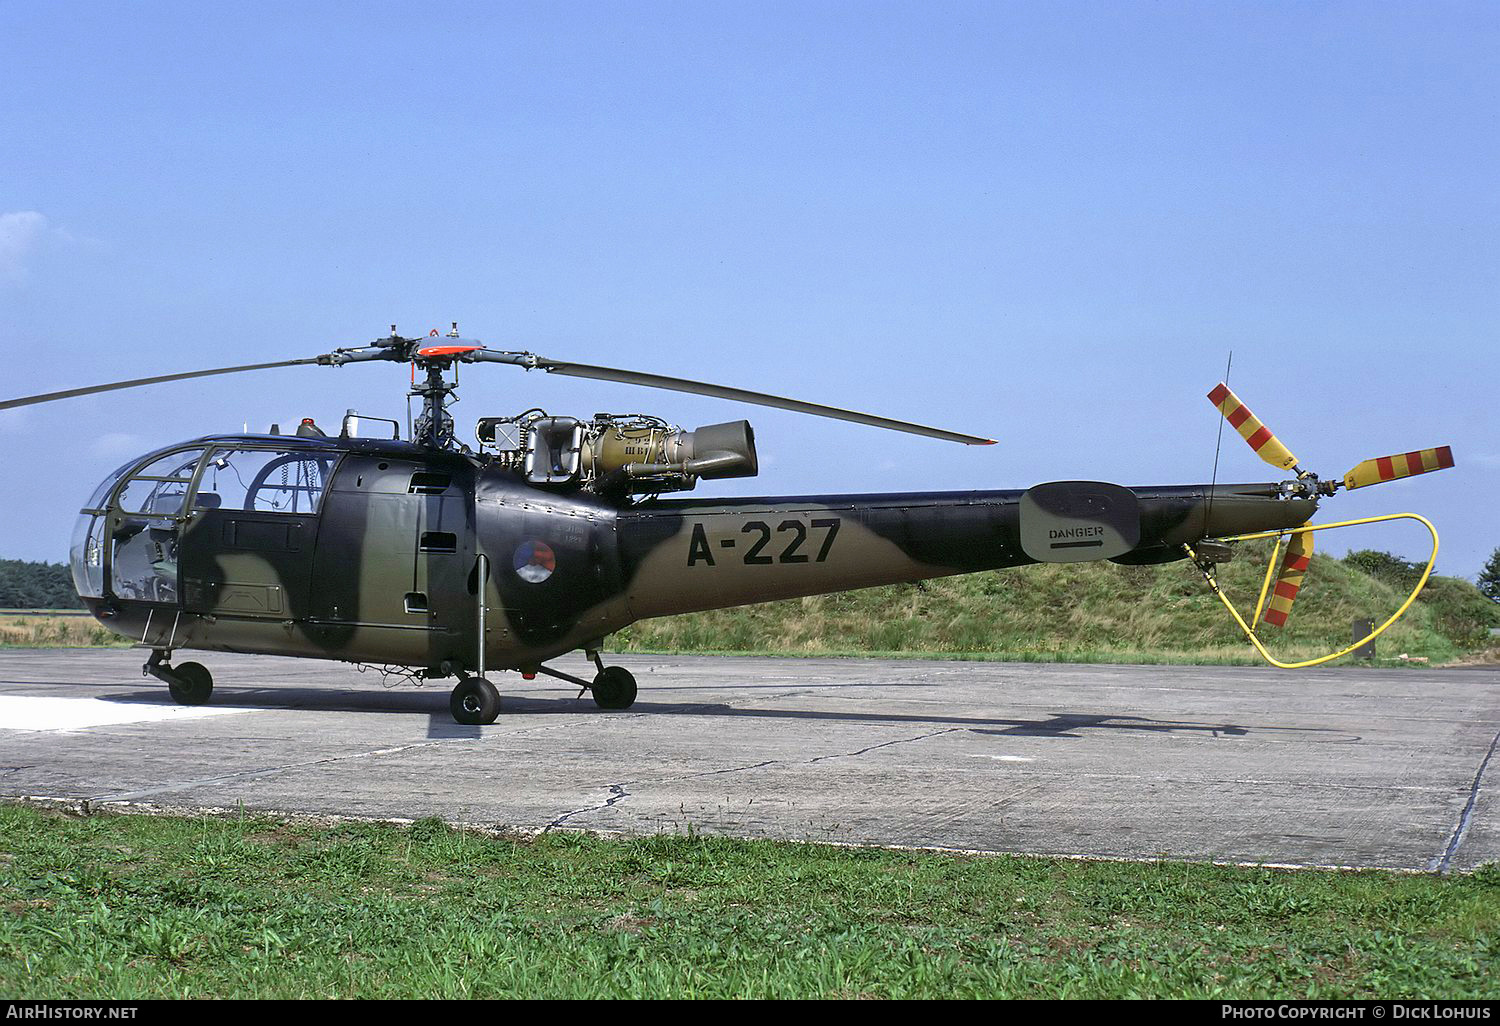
(620, 453)
(640, 450)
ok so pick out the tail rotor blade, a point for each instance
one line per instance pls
(1393, 468)
(1265, 444)
(1289, 579)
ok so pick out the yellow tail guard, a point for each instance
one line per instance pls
(1299, 550)
(1391, 468)
(1265, 444)
(1289, 579)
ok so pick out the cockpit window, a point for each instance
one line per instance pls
(265, 481)
(163, 498)
(176, 464)
(96, 501)
(160, 487)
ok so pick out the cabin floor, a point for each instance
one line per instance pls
(1344, 766)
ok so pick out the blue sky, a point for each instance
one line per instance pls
(1049, 223)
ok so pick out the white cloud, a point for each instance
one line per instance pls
(115, 444)
(22, 232)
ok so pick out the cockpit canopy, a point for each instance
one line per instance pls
(131, 525)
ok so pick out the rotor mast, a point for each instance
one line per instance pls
(434, 426)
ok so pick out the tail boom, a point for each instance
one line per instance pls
(680, 556)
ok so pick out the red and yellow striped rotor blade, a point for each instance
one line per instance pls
(1391, 468)
(1265, 444)
(1289, 579)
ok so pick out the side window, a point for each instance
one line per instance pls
(265, 481)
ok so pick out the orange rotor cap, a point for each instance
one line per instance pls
(448, 350)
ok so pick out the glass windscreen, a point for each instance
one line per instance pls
(160, 487)
(86, 556)
(96, 500)
(175, 464)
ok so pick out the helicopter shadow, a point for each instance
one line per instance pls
(1071, 726)
(1062, 725)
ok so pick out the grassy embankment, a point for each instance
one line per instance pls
(127, 907)
(1091, 612)
(1087, 612)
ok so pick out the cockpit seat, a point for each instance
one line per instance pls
(167, 505)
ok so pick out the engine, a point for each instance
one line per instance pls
(617, 454)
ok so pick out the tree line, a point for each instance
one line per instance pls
(26, 585)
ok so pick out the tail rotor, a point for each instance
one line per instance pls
(1277, 606)
(1369, 472)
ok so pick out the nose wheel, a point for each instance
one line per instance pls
(188, 683)
(614, 688)
(194, 684)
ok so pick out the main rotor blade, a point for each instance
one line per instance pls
(1266, 445)
(70, 393)
(629, 377)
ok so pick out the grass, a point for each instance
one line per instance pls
(137, 907)
(51, 628)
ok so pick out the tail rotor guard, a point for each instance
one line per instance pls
(1306, 531)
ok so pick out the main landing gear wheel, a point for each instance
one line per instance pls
(474, 702)
(190, 683)
(614, 688)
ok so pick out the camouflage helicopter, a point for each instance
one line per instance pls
(440, 560)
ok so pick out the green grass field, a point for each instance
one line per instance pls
(134, 906)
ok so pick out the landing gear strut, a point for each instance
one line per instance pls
(613, 687)
(188, 683)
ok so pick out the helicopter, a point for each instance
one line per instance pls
(438, 560)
